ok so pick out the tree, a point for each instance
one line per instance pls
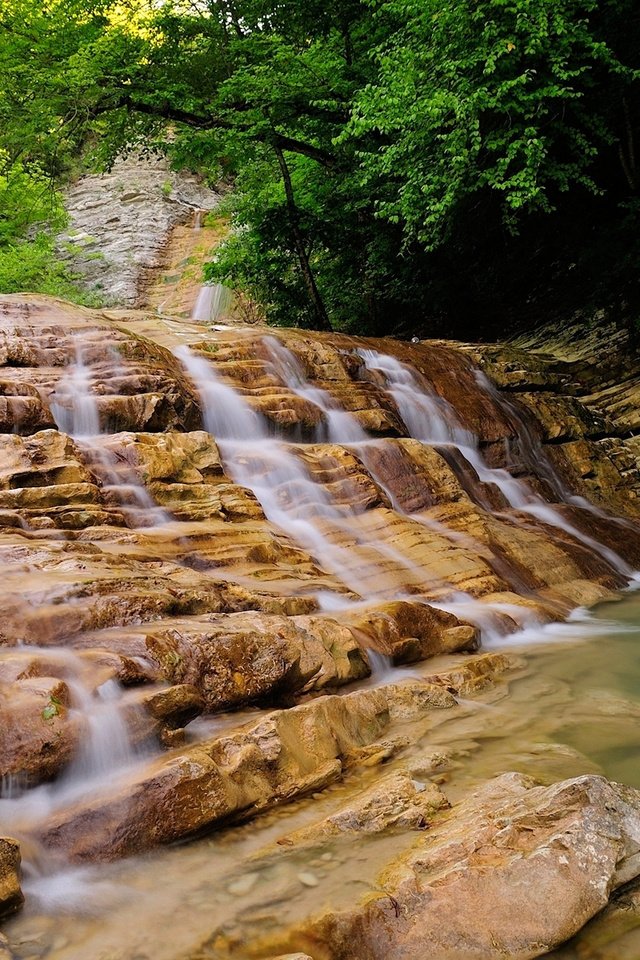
(398, 165)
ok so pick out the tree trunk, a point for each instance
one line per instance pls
(321, 318)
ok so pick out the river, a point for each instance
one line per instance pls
(571, 707)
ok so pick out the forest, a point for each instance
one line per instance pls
(406, 167)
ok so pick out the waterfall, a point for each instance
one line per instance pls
(76, 413)
(342, 427)
(283, 485)
(213, 300)
(99, 713)
(432, 420)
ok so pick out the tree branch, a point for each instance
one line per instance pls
(201, 122)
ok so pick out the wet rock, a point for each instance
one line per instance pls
(38, 736)
(549, 856)
(414, 631)
(175, 706)
(395, 801)
(284, 755)
(241, 658)
(11, 897)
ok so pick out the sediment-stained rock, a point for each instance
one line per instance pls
(137, 549)
(282, 756)
(513, 871)
(38, 735)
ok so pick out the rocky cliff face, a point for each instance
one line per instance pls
(262, 519)
(120, 223)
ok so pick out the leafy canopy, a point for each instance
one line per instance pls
(398, 165)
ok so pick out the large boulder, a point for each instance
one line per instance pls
(513, 871)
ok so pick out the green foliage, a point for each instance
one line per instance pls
(30, 213)
(493, 96)
(33, 265)
(400, 165)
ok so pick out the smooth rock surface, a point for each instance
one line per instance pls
(11, 897)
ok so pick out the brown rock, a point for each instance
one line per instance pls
(38, 736)
(176, 706)
(11, 897)
(548, 856)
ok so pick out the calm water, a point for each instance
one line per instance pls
(573, 707)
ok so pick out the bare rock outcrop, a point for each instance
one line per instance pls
(120, 222)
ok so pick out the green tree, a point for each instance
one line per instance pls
(398, 165)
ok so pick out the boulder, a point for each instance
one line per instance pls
(38, 735)
(514, 870)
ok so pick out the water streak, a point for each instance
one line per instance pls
(336, 534)
(77, 413)
(432, 420)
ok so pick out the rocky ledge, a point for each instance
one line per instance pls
(152, 573)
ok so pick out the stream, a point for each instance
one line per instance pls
(572, 708)
(419, 512)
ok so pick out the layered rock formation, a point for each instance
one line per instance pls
(517, 870)
(384, 505)
(120, 223)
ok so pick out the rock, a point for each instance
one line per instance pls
(120, 222)
(11, 897)
(395, 801)
(175, 706)
(284, 755)
(308, 879)
(38, 735)
(549, 856)
(614, 934)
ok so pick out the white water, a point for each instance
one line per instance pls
(213, 300)
(76, 413)
(284, 487)
(431, 419)
(102, 715)
(98, 712)
(342, 427)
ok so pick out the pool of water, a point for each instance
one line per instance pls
(572, 707)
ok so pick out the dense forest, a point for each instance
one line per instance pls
(398, 166)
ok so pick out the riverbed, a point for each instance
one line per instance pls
(571, 706)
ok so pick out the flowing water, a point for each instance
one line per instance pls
(573, 705)
(76, 412)
(573, 708)
(432, 420)
(282, 483)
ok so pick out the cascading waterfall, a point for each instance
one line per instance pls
(76, 412)
(284, 487)
(101, 712)
(98, 708)
(341, 426)
(344, 429)
(213, 301)
(431, 419)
